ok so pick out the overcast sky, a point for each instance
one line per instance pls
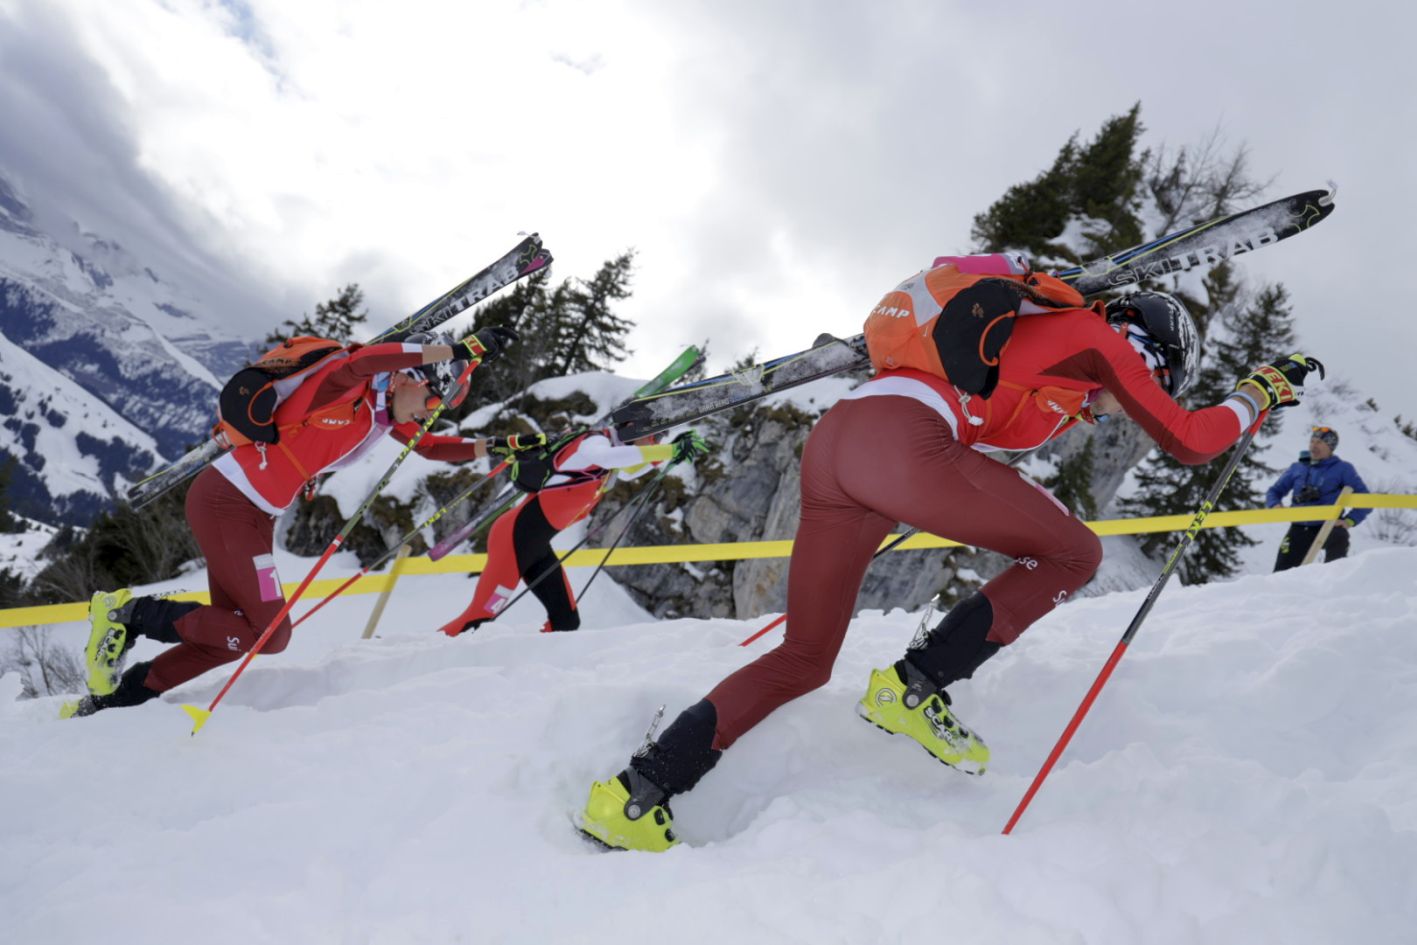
(778, 165)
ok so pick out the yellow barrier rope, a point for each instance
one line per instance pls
(737, 551)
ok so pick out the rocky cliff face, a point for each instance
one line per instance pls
(750, 490)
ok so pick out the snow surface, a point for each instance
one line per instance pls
(20, 551)
(1249, 775)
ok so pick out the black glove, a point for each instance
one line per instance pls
(509, 446)
(1281, 382)
(486, 345)
(689, 446)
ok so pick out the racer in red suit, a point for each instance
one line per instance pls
(564, 485)
(908, 447)
(332, 418)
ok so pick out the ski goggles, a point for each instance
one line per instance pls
(1153, 353)
(383, 386)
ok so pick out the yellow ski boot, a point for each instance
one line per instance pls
(916, 709)
(628, 816)
(108, 640)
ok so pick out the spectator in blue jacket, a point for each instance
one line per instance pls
(1316, 480)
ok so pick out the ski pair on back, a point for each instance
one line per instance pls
(249, 400)
(1202, 244)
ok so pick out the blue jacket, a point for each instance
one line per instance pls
(1329, 476)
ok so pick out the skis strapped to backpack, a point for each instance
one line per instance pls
(1203, 244)
(248, 401)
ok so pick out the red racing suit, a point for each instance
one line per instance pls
(519, 545)
(232, 505)
(907, 447)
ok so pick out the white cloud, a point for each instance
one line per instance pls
(778, 165)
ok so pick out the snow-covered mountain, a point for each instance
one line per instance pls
(73, 451)
(107, 342)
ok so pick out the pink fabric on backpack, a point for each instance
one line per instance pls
(988, 264)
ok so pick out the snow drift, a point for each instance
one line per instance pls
(1249, 775)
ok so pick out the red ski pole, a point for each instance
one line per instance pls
(394, 550)
(1135, 625)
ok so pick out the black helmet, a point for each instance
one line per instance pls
(1169, 331)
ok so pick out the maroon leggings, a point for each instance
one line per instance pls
(236, 539)
(869, 464)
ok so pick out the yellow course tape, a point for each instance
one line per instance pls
(732, 551)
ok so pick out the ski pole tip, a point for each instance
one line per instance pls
(199, 717)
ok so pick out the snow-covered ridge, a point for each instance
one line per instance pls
(74, 451)
(136, 348)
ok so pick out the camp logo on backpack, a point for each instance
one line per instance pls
(247, 404)
(954, 319)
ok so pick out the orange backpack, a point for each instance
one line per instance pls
(247, 405)
(954, 319)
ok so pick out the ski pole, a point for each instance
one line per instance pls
(384, 595)
(1321, 538)
(635, 503)
(199, 715)
(1135, 625)
(413, 533)
(644, 496)
(690, 358)
(472, 526)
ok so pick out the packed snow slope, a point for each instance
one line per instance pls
(1249, 775)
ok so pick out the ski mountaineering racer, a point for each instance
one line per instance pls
(564, 480)
(909, 446)
(331, 418)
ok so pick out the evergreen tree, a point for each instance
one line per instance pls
(590, 336)
(1191, 185)
(337, 319)
(1071, 484)
(8, 521)
(1098, 182)
(1246, 332)
(564, 330)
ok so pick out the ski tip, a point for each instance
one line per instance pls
(199, 717)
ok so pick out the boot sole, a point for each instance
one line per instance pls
(578, 821)
(98, 663)
(861, 712)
